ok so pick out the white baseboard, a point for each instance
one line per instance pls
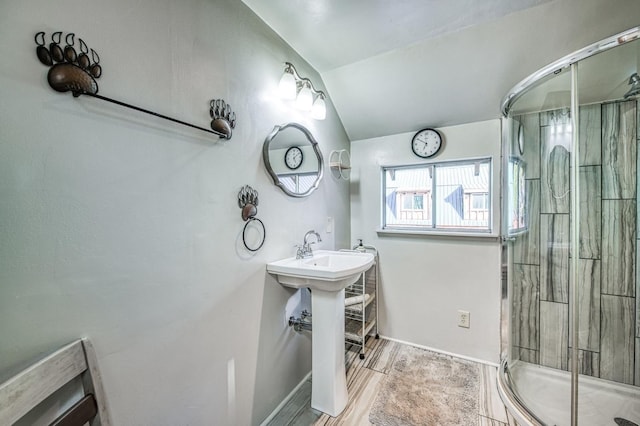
(285, 400)
(468, 358)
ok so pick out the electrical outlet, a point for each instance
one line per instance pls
(464, 319)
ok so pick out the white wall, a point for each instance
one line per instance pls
(462, 76)
(426, 280)
(125, 228)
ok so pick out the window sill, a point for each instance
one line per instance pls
(439, 234)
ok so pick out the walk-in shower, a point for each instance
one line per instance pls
(571, 307)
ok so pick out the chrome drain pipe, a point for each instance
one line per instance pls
(302, 323)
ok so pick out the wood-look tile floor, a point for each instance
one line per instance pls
(364, 379)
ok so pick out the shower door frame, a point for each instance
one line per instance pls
(515, 405)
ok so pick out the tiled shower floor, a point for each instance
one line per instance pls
(364, 379)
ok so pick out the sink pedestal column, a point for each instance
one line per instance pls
(328, 377)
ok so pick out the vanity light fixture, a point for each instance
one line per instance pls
(293, 86)
(304, 101)
(319, 108)
(287, 84)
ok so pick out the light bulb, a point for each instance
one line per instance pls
(319, 109)
(287, 86)
(305, 98)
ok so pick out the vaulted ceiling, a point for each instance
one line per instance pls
(398, 66)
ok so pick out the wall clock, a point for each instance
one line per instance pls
(293, 157)
(426, 143)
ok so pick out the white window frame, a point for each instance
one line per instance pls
(433, 227)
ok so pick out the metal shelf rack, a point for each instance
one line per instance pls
(361, 306)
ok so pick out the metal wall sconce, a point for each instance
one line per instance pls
(294, 87)
(70, 71)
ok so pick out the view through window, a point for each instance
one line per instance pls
(447, 196)
(299, 182)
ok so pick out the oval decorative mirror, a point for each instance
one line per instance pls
(293, 159)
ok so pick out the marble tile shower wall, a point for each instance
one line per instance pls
(609, 287)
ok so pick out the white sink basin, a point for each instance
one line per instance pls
(326, 270)
(327, 273)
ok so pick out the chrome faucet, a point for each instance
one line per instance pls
(305, 251)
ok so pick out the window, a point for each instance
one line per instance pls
(413, 201)
(516, 196)
(479, 201)
(447, 196)
(298, 183)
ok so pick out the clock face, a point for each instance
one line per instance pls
(293, 157)
(426, 143)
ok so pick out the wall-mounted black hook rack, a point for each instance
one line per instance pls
(77, 73)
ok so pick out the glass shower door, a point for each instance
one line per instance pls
(572, 130)
(539, 168)
(608, 311)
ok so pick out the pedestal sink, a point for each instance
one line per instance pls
(327, 274)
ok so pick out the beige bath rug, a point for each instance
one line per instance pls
(427, 388)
